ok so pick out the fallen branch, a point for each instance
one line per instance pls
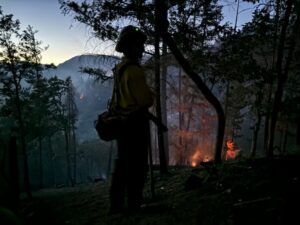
(252, 201)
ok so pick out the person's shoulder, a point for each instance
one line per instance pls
(126, 63)
(120, 65)
(134, 67)
(134, 70)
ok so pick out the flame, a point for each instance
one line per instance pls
(198, 157)
(232, 150)
(81, 96)
(195, 159)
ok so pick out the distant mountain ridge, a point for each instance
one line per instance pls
(72, 67)
(89, 60)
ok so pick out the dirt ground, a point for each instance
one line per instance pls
(248, 192)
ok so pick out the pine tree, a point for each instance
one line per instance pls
(14, 70)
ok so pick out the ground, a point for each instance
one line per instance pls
(248, 192)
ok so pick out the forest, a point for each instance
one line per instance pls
(229, 95)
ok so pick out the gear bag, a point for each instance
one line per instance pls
(108, 126)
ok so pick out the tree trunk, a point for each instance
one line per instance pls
(188, 124)
(13, 169)
(160, 135)
(258, 102)
(52, 161)
(161, 14)
(180, 121)
(269, 100)
(267, 120)
(164, 103)
(285, 138)
(41, 162)
(226, 103)
(298, 132)
(67, 146)
(282, 71)
(255, 135)
(75, 155)
(237, 15)
(23, 143)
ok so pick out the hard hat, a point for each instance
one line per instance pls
(129, 34)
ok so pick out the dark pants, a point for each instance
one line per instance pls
(131, 167)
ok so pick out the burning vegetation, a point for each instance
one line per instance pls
(82, 96)
(199, 157)
(232, 151)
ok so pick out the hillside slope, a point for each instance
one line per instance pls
(91, 97)
(260, 191)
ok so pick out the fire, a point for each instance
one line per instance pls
(199, 157)
(81, 96)
(232, 150)
(203, 153)
(195, 159)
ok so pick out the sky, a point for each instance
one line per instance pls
(65, 37)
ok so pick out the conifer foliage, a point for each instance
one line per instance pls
(32, 107)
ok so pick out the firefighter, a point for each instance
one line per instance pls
(131, 99)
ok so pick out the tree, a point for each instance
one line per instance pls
(61, 118)
(15, 67)
(289, 35)
(244, 75)
(39, 97)
(38, 122)
(69, 129)
(29, 101)
(261, 56)
(161, 11)
(192, 121)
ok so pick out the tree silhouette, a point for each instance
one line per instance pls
(30, 103)
(16, 67)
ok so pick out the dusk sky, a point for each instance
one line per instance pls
(66, 37)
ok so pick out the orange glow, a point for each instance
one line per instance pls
(185, 134)
(231, 150)
(198, 157)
